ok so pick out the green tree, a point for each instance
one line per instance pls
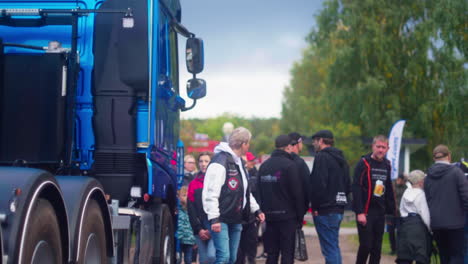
(383, 61)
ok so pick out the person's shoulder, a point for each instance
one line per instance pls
(281, 161)
(457, 171)
(220, 157)
(387, 162)
(195, 184)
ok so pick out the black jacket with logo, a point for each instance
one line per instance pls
(329, 181)
(366, 198)
(231, 197)
(279, 188)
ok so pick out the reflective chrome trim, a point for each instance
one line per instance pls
(28, 215)
(64, 80)
(82, 218)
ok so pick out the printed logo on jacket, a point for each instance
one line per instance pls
(233, 183)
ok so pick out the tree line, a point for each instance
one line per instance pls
(368, 64)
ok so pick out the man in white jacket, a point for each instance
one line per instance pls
(226, 196)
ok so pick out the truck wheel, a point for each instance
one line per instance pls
(42, 239)
(166, 244)
(92, 248)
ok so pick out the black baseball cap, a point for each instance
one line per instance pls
(323, 134)
(296, 137)
(282, 141)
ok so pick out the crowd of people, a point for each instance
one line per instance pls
(225, 202)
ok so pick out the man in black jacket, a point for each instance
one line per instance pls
(330, 185)
(303, 169)
(373, 197)
(446, 191)
(248, 243)
(282, 200)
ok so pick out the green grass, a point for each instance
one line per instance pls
(386, 247)
(348, 224)
(385, 243)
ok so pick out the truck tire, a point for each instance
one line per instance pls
(92, 248)
(42, 237)
(165, 234)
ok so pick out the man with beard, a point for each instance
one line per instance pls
(330, 185)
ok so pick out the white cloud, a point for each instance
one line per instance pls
(245, 93)
(291, 41)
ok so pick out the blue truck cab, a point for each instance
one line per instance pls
(89, 129)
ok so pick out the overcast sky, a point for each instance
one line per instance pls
(250, 47)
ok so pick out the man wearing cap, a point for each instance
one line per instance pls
(281, 199)
(252, 171)
(446, 191)
(302, 168)
(373, 198)
(329, 187)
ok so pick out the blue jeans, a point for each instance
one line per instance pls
(328, 227)
(226, 243)
(206, 250)
(186, 250)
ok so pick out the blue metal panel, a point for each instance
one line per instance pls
(40, 36)
(149, 163)
(153, 63)
(142, 123)
(84, 100)
(162, 181)
(180, 163)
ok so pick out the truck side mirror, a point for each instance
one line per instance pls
(194, 55)
(196, 88)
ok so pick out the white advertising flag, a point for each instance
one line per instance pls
(394, 141)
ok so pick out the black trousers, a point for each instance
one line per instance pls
(450, 243)
(391, 228)
(279, 239)
(406, 262)
(248, 244)
(370, 239)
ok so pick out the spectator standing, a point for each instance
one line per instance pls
(373, 198)
(447, 196)
(184, 230)
(302, 168)
(252, 171)
(281, 198)
(330, 185)
(463, 165)
(248, 242)
(197, 216)
(190, 169)
(414, 239)
(393, 222)
(226, 195)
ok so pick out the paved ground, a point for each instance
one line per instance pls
(348, 248)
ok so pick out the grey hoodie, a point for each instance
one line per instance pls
(446, 191)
